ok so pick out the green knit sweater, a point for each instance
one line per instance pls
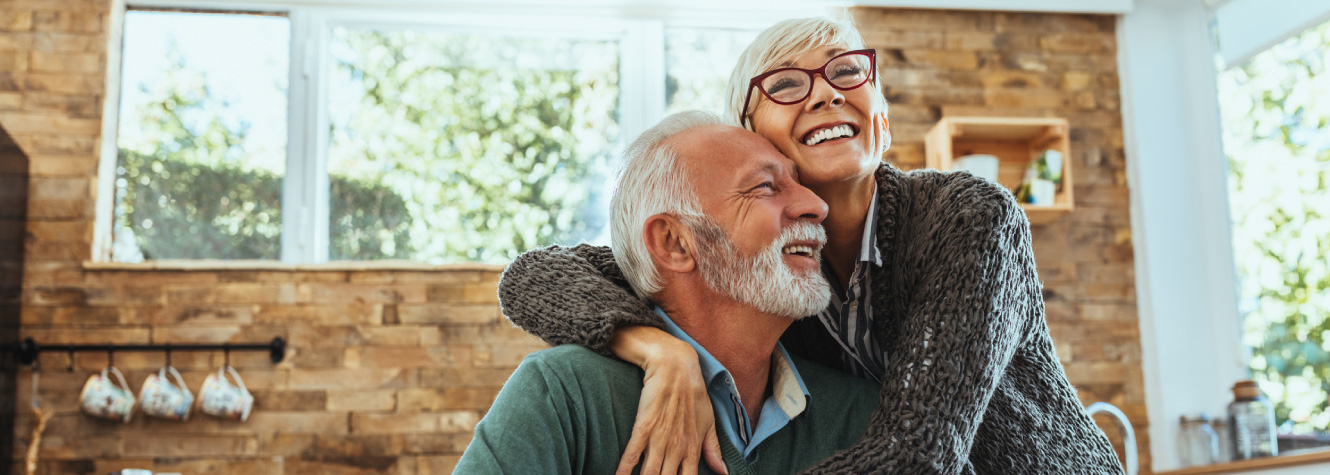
(568, 410)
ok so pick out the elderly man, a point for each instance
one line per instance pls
(710, 222)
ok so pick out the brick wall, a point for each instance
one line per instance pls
(389, 369)
(937, 63)
(386, 372)
(13, 217)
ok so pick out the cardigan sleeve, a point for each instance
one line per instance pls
(572, 295)
(960, 295)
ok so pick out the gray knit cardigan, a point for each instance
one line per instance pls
(972, 383)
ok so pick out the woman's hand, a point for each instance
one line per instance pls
(675, 425)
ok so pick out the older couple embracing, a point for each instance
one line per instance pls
(922, 290)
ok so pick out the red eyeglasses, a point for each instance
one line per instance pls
(787, 86)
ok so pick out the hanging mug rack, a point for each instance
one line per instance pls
(28, 349)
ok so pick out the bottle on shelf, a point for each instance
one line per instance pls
(1198, 445)
(1251, 423)
(1220, 425)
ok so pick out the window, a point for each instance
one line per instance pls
(202, 136)
(321, 134)
(505, 137)
(1275, 111)
(698, 62)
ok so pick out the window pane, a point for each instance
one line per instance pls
(451, 147)
(698, 62)
(202, 136)
(1275, 112)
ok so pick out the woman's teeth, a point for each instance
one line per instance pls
(829, 133)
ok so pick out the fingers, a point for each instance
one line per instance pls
(655, 457)
(667, 452)
(715, 459)
(633, 452)
(674, 456)
(688, 464)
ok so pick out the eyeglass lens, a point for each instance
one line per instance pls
(792, 85)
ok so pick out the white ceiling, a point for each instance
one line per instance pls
(1247, 27)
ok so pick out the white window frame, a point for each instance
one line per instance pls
(1186, 276)
(305, 204)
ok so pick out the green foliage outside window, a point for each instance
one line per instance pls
(497, 144)
(185, 190)
(1275, 114)
(443, 148)
(189, 193)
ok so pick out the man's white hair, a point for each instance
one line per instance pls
(651, 181)
(789, 38)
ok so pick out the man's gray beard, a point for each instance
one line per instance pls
(762, 281)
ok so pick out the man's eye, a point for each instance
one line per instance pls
(766, 185)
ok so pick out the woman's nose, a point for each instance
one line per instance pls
(823, 94)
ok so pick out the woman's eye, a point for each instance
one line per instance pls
(847, 70)
(764, 186)
(781, 84)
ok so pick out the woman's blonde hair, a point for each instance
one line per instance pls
(789, 38)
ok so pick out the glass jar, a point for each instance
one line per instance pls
(1220, 425)
(1251, 423)
(1198, 444)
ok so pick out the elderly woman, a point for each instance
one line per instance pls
(936, 296)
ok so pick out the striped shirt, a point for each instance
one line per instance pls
(849, 316)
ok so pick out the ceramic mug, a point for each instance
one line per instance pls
(159, 398)
(103, 398)
(222, 399)
(982, 166)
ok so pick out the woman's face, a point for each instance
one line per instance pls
(793, 128)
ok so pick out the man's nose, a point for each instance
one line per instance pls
(822, 94)
(806, 205)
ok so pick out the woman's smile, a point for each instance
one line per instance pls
(832, 133)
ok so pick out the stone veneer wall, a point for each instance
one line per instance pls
(388, 370)
(13, 217)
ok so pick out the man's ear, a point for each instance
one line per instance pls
(670, 243)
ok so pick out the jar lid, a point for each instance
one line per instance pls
(1246, 389)
(1195, 417)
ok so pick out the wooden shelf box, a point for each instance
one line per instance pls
(1014, 141)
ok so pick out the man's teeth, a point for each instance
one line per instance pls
(800, 250)
(829, 133)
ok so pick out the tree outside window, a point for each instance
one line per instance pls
(443, 144)
(1276, 109)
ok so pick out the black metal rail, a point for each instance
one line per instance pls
(27, 351)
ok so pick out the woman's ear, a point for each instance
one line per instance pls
(883, 126)
(669, 243)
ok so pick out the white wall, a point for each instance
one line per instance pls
(1180, 225)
